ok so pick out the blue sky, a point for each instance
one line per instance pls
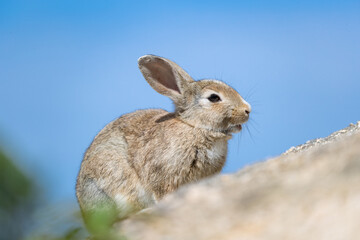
(67, 68)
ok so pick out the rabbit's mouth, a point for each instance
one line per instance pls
(233, 129)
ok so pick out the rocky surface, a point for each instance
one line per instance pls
(312, 191)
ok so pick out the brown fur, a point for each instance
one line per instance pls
(142, 156)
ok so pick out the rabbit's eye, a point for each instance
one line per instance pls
(214, 98)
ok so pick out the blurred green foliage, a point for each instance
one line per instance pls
(15, 188)
(19, 199)
(99, 224)
(17, 193)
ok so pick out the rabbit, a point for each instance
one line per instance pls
(137, 159)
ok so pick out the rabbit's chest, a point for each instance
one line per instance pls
(216, 152)
(208, 160)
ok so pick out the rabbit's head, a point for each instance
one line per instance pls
(209, 104)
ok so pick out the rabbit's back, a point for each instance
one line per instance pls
(107, 175)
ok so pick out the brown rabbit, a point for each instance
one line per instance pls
(142, 156)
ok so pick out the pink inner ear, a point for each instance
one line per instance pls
(163, 74)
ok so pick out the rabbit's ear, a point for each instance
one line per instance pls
(165, 76)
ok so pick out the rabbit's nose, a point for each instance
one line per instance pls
(247, 109)
(247, 113)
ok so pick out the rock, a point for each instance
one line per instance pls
(312, 191)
